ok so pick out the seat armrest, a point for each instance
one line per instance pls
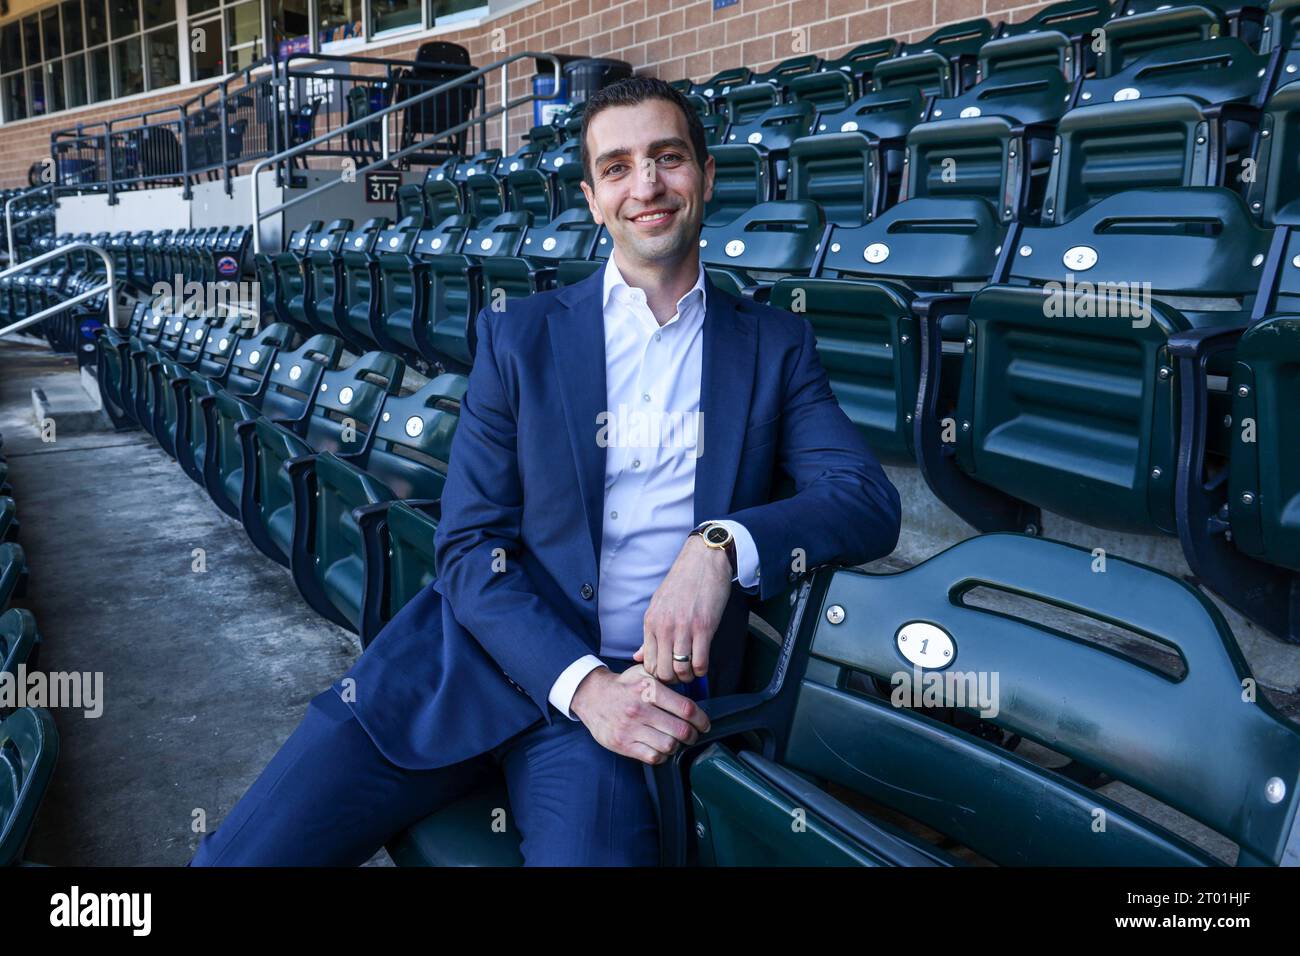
(1194, 342)
(940, 304)
(301, 463)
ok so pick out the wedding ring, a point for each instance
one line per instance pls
(682, 658)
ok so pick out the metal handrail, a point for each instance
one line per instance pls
(506, 106)
(9, 218)
(109, 284)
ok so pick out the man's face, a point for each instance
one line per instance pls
(648, 190)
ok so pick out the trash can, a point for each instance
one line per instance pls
(585, 77)
(550, 102)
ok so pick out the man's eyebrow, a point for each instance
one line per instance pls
(675, 142)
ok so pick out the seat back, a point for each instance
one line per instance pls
(950, 627)
(857, 64)
(1060, 35)
(1274, 192)
(347, 402)
(771, 240)
(295, 376)
(412, 440)
(29, 749)
(942, 64)
(1142, 26)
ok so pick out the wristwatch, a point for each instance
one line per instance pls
(719, 536)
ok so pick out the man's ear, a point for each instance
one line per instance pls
(710, 170)
(590, 195)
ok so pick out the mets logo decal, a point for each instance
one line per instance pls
(227, 266)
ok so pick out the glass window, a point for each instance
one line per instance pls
(339, 19)
(445, 8)
(124, 18)
(206, 58)
(54, 86)
(158, 12)
(290, 25)
(391, 14)
(101, 77)
(72, 26)
(244, 30)
(15, 94)
(161, 56)
(11, 46)
(36, 87)
(96, 23)
(76, 74)
(50, 27)
(32, 41)
(203, 6)
(129, 67)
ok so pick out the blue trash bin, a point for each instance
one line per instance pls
(550, 100)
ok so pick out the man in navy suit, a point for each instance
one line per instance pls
(608, 515)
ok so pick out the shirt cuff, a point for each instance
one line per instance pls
(746, 553)
(566, 685)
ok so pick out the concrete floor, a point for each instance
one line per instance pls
(206, 674)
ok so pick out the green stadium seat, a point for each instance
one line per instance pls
(19, 640)
(1075, 412)
(13, 572)
(343, 409)
(867, 296)
(8, 519)
(1274, 192)
(291, 283)
(942, 64)
(325, 300)
(29, 749)
(843, 711)
(1141, 26)
(361, 278)
(344, 562)
(770, 241)
(404, 286)
(570, 235)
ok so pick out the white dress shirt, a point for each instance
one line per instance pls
(650, 431)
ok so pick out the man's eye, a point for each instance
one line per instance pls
(614, 170)
(670, 158)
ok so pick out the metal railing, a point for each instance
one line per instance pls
(109, 285)
(391, 157)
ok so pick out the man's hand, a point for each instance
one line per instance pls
(634, 715)
(685, 612)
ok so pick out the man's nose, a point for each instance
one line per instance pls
(647, 184)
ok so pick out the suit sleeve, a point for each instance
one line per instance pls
(477, 544)
(844, 510)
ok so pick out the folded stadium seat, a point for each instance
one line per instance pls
(112, 366)
(771, 135)
(995, 141)
(570, 271)
(569, 236)
(137, 251)
(869, 293)
(270, 303)
(29, 749)
(788, 69)
(538, 190)
(328, 299)
(1280, 31)
(483, 190)
(153, 255)
(285, 399)
(167, 366)
(1242, 538)
(8, 519)
(741, 180)
(943, 64)
(454, 836)
(455, 289)
(1060, 35)
(118, 246)
(1274, 193)
(721, 83)
(442, 198)
(405, 287)
(411, 204)
(885, 117)
(345, 563)
(1181, 740)
(1141, 26)
(160, 321)
(20, 642)
(13, 572)
(535, 141)
(239, 363)
(772, 240)
(1181, 115)
(293, 285)
(857, 65)
(341, 414)
(1067, 398)
(361, 277)
(744, 104)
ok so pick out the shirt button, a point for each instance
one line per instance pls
(614, 515)
(636, 463)
(587, 591)
(658, 336)
(645, 397)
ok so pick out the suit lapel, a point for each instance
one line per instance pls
(726, 385)
(577, 333)
(730, 350)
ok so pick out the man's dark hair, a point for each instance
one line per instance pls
(634, 90)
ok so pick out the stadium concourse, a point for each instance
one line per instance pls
(1049, 264)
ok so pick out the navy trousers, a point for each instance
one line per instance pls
(330, 798)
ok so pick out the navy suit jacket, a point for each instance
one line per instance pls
(469, 662)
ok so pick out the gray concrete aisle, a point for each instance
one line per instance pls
(205, 673)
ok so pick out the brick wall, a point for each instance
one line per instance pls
(665, 38)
